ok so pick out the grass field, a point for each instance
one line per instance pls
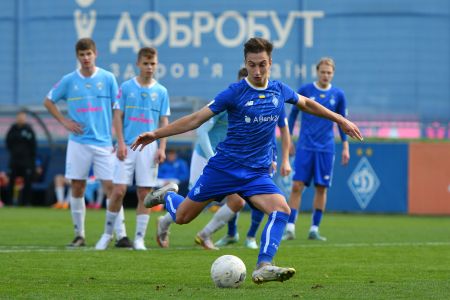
(365, 257)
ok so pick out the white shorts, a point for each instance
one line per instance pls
(198, 163)
(139, 163)
(80, 158)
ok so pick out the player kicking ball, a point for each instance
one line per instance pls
(243, 158)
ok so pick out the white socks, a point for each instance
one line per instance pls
(220, 218)
(141, 226)
(119, 225)
(59, 191)
(78, 210)
(290, 227)
(111, 218)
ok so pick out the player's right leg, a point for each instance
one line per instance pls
(224, 215)
(79, 158)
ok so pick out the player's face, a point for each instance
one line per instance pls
(87, 58)
(325, 75)
(147, 66)
(258, 67)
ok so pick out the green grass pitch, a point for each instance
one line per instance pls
(365, 257)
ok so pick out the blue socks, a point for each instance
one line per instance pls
(257, 217)
(271, 236)
(173, 200)
(232, 225)
(316, 217)
(293, 216)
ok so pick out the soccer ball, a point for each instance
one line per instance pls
(228, 271)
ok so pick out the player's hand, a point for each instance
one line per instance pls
(285, 169)
(121, 151)
(160, 156)
(143, 140)
(350, 129)
(72, 126)
(345, 157)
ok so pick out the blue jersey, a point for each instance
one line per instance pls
(89, 103)
(252, 116)
(282, 122)
(316, 134)
(142, 107)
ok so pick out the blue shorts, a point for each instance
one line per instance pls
(317, 164)
(222, 177)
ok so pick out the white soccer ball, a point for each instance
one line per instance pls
(228, 271)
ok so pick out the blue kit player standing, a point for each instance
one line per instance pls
(90, 93)
(143, 105)
(315, 148)
(240, 165)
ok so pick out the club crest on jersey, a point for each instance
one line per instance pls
(275, 101)
(197, 190)
(332, 101)
(154, 96)
(99, 85)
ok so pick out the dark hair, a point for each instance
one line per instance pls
(242, 73)
(85, 44)
(147, 52)
(257, 45)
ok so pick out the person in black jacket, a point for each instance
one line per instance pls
(21, 145)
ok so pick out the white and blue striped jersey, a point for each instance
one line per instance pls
(316, 133)
(253, 114)
(89, 103)
(142, 107)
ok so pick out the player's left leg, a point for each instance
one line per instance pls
(142, 218)
(320, 200)
(276, 207)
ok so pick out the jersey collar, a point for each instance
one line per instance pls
(152, 83)
(257, 88)
(320, 89)
(84, 77)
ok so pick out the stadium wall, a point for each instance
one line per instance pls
(389, 54)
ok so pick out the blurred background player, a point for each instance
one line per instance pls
(90, 92)
(21, 145)
(143, 105)
(173, 169)
(314, 157)
(243, 158)
(61, 184)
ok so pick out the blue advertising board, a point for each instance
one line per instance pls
(374, 181)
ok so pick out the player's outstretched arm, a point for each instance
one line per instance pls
(312, 107)
(182, 125)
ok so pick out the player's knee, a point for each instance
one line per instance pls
(236, 204)
(182, 219)
(297, 186)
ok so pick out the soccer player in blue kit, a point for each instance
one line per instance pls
(90, 93)
(314, 156)
(242, 160)
(143, 105)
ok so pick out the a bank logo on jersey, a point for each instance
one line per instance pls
(248, 119)
(275, 101)
(363, 182)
